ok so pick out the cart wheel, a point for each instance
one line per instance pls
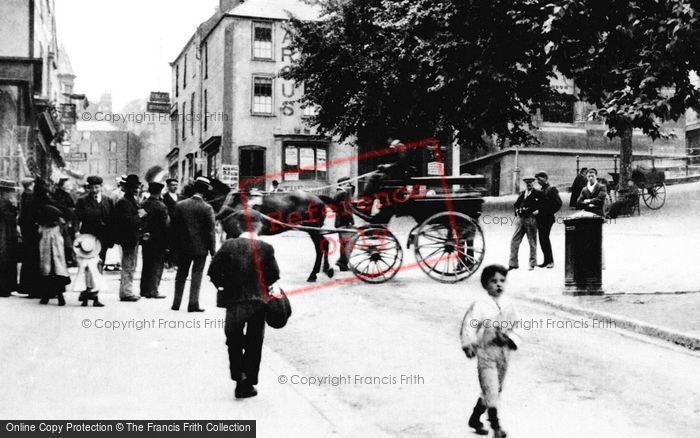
(655, 196)
(376, 254)
(449, 246)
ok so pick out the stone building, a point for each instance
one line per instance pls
(29, 89)
(232, 111)
(100, 148)
(569, 141)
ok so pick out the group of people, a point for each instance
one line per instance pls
(534, 210)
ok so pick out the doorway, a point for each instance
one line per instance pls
(251, 162)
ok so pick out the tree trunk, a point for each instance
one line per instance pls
(625, 157)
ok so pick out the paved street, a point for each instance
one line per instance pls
(577, 382)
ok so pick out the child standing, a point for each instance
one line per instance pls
(488, 332)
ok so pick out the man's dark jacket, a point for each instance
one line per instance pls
(156, 222)
(236, 267)
(550, 203)
(524, 207)
(126, 222)
(598, 195)
(193, 228)
(170, 203)
(94, 218)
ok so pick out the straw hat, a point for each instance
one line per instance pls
(86, 246)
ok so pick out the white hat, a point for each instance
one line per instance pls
(86, 246)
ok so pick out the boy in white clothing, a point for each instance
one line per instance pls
(489, 333)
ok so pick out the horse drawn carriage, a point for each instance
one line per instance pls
(447, 241)
(651, 185)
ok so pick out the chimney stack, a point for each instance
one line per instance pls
(227, 5)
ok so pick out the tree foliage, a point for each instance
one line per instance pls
(632, 59)
(420, 68)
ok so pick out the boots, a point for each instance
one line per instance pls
(475, 420)
(495, 424)
(96, 302)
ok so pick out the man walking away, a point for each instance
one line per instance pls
(194, 236)
(127, 223)
(526, 209)
(237, 270)
(551, 203)
(155, 241)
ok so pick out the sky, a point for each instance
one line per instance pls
(125, 46)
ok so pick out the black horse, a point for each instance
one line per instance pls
(285, 208)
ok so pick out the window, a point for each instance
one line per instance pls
(177, 80)
(206, 109)
(184, 111)
(559, 109)
(192, 115)
(85, 135)
(174, 117)
(112, 146)
(262, 95)
(306, 161)
(94, 167)
(113, 166)
(184, 73)
(262, 40)
(93, 147)
(206, 60)
(213, 164)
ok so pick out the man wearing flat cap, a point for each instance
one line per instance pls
(193, 226)
(127, 231)
(92, 215)
(551, 203)
(526, 209)
(154, 241)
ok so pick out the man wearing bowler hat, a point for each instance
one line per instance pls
(194, 231)
(550, 204)
(127, 223)
(526, 209)
(155, 241)
(92, 215)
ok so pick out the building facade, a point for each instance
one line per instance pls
(30, 128)
(234, 117)
(100, 148)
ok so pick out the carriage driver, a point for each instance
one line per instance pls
(400, 169)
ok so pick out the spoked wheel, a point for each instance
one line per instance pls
(655, 196)
(376, 254)
(449, 246)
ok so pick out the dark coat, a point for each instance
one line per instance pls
(235, 268)
(550, 203)
(598, 196)
(343, 218)
(65, 202)
(576, 187)
(9, 247)
(193, 228)
(170, 203)
(156, 222)
(524, 207)
(94, 218)
(126, 223)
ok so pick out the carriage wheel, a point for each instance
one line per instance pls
(376, 254)
(655, 196)
(449, 246)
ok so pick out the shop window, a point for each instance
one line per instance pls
(305, 161)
